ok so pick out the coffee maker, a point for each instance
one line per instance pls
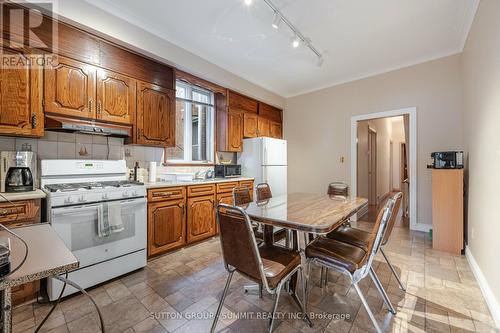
(18, 171)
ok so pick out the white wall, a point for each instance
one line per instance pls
(481, 60)
(317, 124)
(85, 15)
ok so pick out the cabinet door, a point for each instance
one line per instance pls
(115, 97)
(235, 131)
(263, 127)
(166, 226)
(20, 95)
(70, 88)
(200, 218)
(275, 130)
(155, 115)
(250, 125)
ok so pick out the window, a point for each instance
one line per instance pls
(194, 128)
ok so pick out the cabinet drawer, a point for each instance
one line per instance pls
(166, 193)
(197, 190)
(20, 212)
(226, 187)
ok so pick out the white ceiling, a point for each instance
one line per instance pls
(359, 38)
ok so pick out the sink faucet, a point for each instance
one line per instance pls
(200, 175)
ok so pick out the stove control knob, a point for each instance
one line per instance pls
(125, 194)
(105, 197)
(69, 200)
(82, 199)
(134, 194)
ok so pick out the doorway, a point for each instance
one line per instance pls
(393, 169)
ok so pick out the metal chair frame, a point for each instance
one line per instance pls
(276, 291)
(365, 270)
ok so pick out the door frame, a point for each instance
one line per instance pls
(372, 165)
(412, 113)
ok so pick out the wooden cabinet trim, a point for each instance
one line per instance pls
(166, 193)
(121, 107)
(200, 190)
(225, 187)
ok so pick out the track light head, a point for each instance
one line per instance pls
(276, 21)
(248, 2)
(295, 42)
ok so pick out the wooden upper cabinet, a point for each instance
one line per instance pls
(240, 102)
(263, 126)
(235, 131)
(20, 96)
(250, 125)
(155, 118)
(115, 97)
(166, 226)
(70, 88)
(275, 130)
(200, 218)
(270, 112)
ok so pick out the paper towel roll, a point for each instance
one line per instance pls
(152, 172)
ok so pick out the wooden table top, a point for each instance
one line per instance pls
(48, 255)
(310, 212)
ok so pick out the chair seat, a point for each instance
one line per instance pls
(278, 262)
(353, 236)
(336, 253)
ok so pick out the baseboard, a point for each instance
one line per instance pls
(491, 301)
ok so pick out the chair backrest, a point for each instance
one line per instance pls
(377, 234)
(239, 247)
(263, 191)
(338, 189)
(398, 198)
(241, 196)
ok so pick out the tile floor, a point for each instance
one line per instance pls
(178, 292)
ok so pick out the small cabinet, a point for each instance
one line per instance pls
(70, 88)
(275, 130)
(20, 95)
(264, 127)
(115, 97)
(235, 131)
(155, 119)
(200, 218)
(250, 121)
(166, 226)
(20, 213)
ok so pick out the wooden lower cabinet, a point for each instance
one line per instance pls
(200, 218)
(21, 213)
(166, 226)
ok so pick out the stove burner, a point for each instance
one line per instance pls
(90, 186)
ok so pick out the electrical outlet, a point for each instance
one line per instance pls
(341, 159)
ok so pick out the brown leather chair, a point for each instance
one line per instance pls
(263, 191)
(269, 265)
(352, 260)
(339, 189)
(361, 238)
(241, 195)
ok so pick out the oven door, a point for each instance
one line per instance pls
(77, 227)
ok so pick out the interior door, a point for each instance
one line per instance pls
(372, 167)
(20, 96)
(155, 115)
(70, 88)
(115, 97)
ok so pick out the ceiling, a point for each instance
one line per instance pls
(359, 38)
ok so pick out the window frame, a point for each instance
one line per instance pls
(188, 126)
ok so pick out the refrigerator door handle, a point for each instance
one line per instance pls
(265, 156)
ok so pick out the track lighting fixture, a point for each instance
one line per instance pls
(295, 42)
(248, 2)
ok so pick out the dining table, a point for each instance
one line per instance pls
(307, 213)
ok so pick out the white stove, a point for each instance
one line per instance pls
(77, 193)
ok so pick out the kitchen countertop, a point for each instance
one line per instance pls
(160, 184)
(37, 194)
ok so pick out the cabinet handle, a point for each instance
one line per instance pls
(33, 121)
(99, 107)
(162, 194)
(90, 105)
(4, 212)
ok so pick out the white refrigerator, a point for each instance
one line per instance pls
(265, 160)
